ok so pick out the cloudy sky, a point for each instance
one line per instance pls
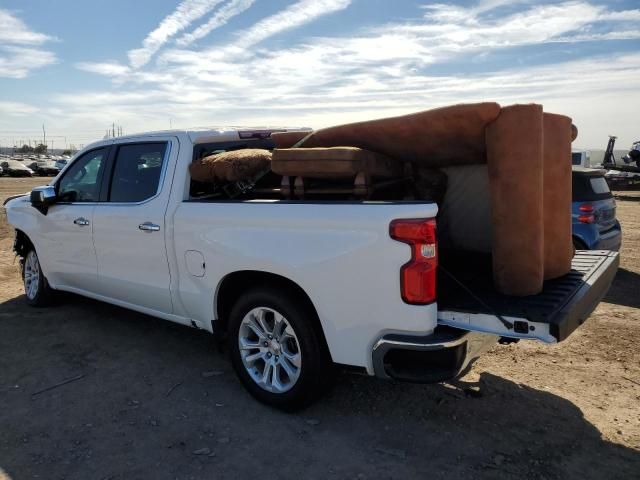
(77, 66)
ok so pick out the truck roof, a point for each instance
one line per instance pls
(209, 134)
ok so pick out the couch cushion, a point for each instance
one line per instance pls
(334, 162)
(230, 166)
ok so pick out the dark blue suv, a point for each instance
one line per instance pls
(595, 226)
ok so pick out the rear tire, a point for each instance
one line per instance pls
(36, 286)
(277, 351)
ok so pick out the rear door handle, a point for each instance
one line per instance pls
(83, 222)
(149, 227)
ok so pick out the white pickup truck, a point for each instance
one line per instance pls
(296, 287)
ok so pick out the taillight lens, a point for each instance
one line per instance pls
(586, 208)
(587, 215)
(586, 218)
(418, 275)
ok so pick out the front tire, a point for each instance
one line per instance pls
(277, 350)
(36, 287)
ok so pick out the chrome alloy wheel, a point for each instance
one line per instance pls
(31, 275)
(270, 350)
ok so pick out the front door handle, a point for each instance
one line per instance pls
(149, 227)
(83, 222)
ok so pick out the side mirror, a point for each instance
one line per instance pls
(43, 197)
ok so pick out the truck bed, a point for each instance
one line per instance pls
(465, 284)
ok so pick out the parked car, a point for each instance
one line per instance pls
(1, 170)
(595, 226)
(44, 167)
(295, 286)
(618, 179)
(61, 163)
(14, 168)
(581, 158)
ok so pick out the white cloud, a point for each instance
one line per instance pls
(20, 50)
(17, 109)
(294, 16)
(110, 69)
(221, 17)
(470, 31)
(186, 13)
(374, 72)
(15, 31)
(18, 62)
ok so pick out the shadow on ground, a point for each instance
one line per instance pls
(625, 289)
(158, 401)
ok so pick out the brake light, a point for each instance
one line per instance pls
(587, 213)
(418, 275)
(586, 208)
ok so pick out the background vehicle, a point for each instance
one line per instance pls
(295, 286)
(622, 179)
(581, 158)
(595, 226)
(14, 168)
(44, 167)
(61, 163)
(626, 172)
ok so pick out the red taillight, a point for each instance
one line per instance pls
(587, 213)
(418, 275)
(586, 208)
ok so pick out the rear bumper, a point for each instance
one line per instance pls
(444, 355)
(610, 240)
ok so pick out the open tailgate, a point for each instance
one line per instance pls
(471, 303)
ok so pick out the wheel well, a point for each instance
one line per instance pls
(235, 284)
(22, 244)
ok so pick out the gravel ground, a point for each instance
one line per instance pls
(149, 399)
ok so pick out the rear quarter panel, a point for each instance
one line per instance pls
(341, 255)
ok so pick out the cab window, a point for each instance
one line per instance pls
(81, 182)
(137, 172)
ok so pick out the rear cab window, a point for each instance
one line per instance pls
(210, 190)
(137, 171)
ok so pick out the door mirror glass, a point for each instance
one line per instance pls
(43, 197)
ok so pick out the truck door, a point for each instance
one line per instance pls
(65, 233)
(129, 224)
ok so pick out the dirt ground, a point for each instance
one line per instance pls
(153, 400)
